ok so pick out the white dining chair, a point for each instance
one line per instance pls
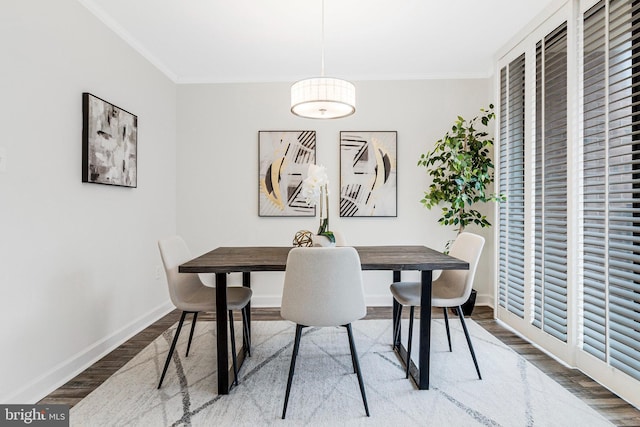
(450, 290)
(323, 287)
(189, 294)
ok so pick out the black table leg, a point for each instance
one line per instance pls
(396, 308)
(425, 331)
(246, 282)
(221, 329)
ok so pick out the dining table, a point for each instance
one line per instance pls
(396, 258)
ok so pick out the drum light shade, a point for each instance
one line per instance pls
(323, 98)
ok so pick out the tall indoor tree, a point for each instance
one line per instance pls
(462, 172)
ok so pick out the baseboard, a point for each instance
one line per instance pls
(65, 371)
(386, 300)
(269, 301)
(485, 300)
(266, 301)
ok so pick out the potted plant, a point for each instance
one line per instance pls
(315, 189)
(462, 172)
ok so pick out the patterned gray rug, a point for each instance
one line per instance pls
(325, 391)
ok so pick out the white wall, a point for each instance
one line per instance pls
(77, 261)
(217, 151)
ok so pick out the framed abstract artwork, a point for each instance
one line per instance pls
(368, 181)
(284, 157)
(109, 143)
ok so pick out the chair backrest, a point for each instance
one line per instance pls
(174, 251)
(323, 287)
(467, 247)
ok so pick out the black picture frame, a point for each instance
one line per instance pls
(283, 161)
(368, 174)
(109, 143)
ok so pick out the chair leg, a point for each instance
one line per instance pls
(466, 334)
(354, 357)
(193, 327)
(396, 331)
(173, 347)
(353, 360)
(410, 340)
(246, 334)
(233, 348)
(446, 324)
(296, 346)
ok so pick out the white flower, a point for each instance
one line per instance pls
(313, 184)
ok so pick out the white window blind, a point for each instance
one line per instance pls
(511, 178)
(611, 183)
(550, 186)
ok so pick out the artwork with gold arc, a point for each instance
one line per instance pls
(368, 174)
(284, 157)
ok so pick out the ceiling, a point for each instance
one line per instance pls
(216, 41)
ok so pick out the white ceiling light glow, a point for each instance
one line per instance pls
(323, 97)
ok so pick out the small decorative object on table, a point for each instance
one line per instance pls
(303, 238)
(315, 191)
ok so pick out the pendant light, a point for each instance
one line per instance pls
(323, 97)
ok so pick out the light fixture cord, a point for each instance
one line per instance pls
(322, 64)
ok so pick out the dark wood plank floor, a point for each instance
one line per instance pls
(602, 400)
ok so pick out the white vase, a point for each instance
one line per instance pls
(322, 241)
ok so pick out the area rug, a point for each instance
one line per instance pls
(325, 391)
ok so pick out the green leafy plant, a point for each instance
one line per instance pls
(462, 171)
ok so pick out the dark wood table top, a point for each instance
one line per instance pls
(274, 258)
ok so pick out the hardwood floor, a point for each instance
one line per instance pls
(602, 400)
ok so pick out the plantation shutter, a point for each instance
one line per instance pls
(594, 182)
(503, 184)
(611, 182)
(511, 178)
(550, 186)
